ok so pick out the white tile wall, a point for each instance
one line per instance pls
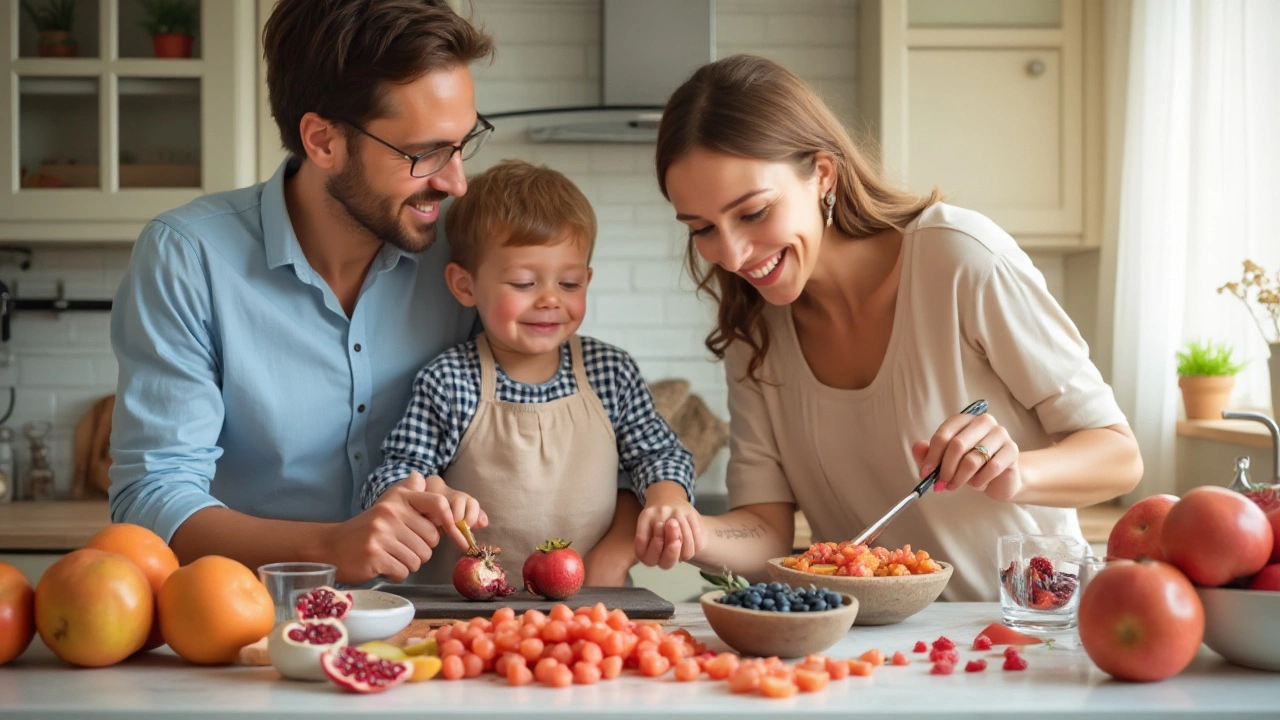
(548, 54)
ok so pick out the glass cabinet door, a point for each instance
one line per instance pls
(116, 107)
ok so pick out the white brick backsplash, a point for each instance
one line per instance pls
(536, 62)
(56, 371)
(670, 343)
(665, 275)
(630, 310)
(686, 309)
(610, 276)
(30, 332)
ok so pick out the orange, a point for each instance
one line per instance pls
(148, 551)
(212, 608)
(93, 608)
(17, 612)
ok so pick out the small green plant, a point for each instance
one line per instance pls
(51, 14)
(726, 581)
(1200, 359)
(170, 17)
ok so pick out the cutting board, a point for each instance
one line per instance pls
(442, 602)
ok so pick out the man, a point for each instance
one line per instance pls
(268, 337)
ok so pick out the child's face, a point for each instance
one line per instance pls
(531, 299)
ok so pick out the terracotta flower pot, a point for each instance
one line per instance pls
(1206, 396)
(55, 43)
(172, 45)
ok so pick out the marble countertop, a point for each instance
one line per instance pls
(1059, 683)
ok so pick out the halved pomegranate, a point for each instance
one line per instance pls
(323, 602)
(295, 647)
(355, 670)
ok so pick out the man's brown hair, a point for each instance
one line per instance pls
(335, 57)
(515, 203)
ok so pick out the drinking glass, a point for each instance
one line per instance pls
(286, 581)
(1040, 581)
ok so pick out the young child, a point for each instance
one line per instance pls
(528, 419)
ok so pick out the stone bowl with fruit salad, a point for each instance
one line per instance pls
(890, 585)
(775, 619)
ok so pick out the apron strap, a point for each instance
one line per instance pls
(579, 366)
(488, 376)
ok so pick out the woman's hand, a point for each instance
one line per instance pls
(955, 449)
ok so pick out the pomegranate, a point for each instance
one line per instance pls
(295, 647)
(1141, 621)
(323, 602)
(477, 575)
(555, 572)
(1214, 536)
(355, 670)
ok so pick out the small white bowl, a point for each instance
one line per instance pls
(1243, 626)
(376, 615)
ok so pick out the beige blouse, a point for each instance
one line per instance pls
(973, 320)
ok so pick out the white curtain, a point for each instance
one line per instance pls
(1199, 192)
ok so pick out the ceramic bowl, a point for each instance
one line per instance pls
(763, 633)
(1243, 626)
(881, 600)
(376, 615)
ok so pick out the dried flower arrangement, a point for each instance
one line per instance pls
(1260, 294)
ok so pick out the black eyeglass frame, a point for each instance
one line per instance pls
(482, 133)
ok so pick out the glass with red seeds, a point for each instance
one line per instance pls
(1040, 581)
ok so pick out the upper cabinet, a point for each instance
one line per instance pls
(990, 101)
(119, 110)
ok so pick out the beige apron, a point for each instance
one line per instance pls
(539, 470)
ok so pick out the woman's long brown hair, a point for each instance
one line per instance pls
(751, 107)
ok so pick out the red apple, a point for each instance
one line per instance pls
(1137, 533)
(1140, 621)
(1268, 579)
(1215, 535)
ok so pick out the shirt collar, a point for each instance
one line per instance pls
(282, 242)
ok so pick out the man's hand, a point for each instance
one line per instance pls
(669, 529)
(397, 535)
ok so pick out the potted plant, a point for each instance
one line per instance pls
(1260, 294)
(1206, 374)
(52, 19)
(172, 26)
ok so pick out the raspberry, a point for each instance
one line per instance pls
(943, 643)
(1015, 662)
(942, 668)
(1011, 650)
(940, 655)
(978, 665)
(920, 647)
(982, 642)
(1042, 565)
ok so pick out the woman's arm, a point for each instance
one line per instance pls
(1087, 467)
(744, 539)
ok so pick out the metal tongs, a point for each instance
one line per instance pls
(871, 533)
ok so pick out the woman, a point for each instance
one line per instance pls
(853, 319)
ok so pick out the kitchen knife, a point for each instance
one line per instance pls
(866, 536)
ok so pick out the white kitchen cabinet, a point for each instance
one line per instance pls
(992, 101)
(99, 143)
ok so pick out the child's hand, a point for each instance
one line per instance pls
(445, 506)
(669, 528)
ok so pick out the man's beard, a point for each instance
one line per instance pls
(378, 214)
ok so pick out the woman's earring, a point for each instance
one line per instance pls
(830, 202)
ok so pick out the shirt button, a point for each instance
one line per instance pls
(360, 409)
(357, 456)
(357, 348)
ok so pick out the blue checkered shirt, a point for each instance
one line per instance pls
(446, 395)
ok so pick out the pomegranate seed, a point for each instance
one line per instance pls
(944, 643)
(942, 668)
(920, 647)
(975, 665)
(1015, 662)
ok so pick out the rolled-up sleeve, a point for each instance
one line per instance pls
(755, 473)
(169, 408)
(1036, 350)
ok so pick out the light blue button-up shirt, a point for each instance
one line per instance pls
(243, 383)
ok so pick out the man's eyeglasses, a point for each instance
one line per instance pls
(434, 160)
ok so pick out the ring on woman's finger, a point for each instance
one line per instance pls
(984, 452)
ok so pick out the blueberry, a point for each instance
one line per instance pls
(799, 608)
(775, 586)
(767, 604)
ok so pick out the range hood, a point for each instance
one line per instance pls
(648, 48)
